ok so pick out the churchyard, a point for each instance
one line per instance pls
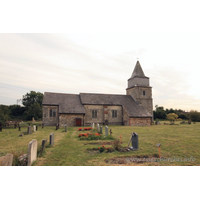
(179, 145)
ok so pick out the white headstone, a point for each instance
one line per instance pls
(34, 128)
(32, 151)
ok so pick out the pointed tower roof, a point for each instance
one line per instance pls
(138, 72)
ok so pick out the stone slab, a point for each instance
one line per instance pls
(6, 160)
(51, 139)
(32, 151)
(29, 130)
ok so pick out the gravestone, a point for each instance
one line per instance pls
(19, 128)
(34, 128)
(29, 131)
(51, 139)
(44, 142)
(92, 125)
(32, 151)
(101, 129)
(98, 127)
(65, 128)
(106, 130)
(0, 128)
(134, 141)
(6, 160)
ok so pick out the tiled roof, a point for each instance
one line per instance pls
(129, 104)
(74, 103)
(138, 72)
(68, 103)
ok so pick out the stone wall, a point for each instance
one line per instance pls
(145, 99)
(104, 114)
(47, 120)
(139, 121)
(70, 119)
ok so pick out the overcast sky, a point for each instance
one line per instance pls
(98, 48)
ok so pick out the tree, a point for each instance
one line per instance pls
(33, 105)
(4, 114)
(172, 117)
(194, 115)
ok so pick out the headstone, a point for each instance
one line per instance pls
(106, 130)
(92, 125)
(29, 131)
(65, 128)
(101, 129)
(134, 141)
(98, 127)
(6, 160)
(0, 128)
(42, 125)
(32, 151)
(19, 128)
(44, 142)
(51, 139)
(34, 128)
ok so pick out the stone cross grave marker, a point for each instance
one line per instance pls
(6, 160)
(32, 151)
(51, 139)
(29, 131)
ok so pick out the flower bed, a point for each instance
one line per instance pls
(106, 149)
(84, 129)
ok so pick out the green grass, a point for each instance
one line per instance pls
(179, 141)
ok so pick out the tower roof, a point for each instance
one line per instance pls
(138, 72)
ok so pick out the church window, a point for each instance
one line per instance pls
(94, 113)
(52, 112)
(144, 93)
(114, 113)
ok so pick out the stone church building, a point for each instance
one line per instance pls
(134, 108)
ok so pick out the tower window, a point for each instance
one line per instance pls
(144, 93)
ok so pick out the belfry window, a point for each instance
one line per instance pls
(144, 93)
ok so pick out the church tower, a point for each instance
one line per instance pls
(139, 89)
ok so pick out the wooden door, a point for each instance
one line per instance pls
(78, 121)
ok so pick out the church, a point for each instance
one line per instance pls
(133, 109)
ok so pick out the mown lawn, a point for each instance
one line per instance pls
(179, 141)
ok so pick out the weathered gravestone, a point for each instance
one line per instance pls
(6, 160)
(44, 142)
(134, 141)
(98, 127)
(101, 129)
(51, 139)
(106, 130)
(32, 151)
(65, 128)
(29, 131)
(34, 128)
(92, 125)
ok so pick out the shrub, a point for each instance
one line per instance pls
(116, 145)
(19, 159)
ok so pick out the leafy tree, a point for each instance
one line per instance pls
(4, 114)
(159, 113)
(33, 105)
(194, 115)
(16, 111)
(31, 98)
(172, 117)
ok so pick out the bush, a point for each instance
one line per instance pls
(19, 159)
(116, 145)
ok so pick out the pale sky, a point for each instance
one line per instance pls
(97, 48)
